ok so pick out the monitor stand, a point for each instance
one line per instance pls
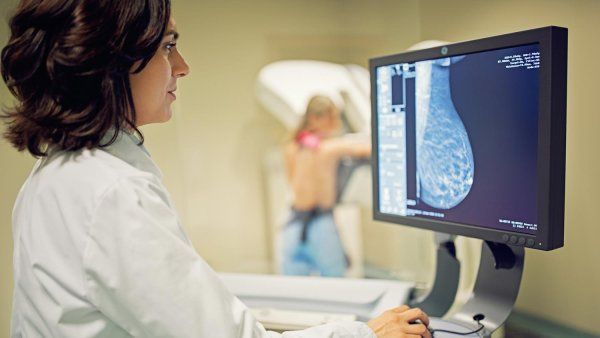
(493, 296)
(442, 294)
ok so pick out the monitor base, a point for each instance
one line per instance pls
(494, 294)
(441, 324)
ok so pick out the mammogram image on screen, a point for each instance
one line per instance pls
(457, 138)
(445, 164)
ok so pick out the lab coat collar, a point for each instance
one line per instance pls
(127, 147)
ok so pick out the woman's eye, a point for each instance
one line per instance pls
(169, 46)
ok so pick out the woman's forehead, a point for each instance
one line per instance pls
(171, 29)
(171, 25)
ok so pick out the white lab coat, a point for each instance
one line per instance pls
(99, 251)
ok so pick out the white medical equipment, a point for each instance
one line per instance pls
(297, 302)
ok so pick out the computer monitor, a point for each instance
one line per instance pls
(469, 138)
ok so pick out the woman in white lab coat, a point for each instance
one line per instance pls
(98, 247)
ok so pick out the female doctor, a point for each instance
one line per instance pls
(98, 247)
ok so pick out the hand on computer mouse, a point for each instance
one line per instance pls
(401, 322)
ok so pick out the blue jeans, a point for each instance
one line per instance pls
(311, 244)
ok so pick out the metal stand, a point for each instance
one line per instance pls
(494, 294)
(441, 296)
(496, 287)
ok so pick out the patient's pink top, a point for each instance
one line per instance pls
(306, 139)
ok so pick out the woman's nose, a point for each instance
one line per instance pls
(180, 67)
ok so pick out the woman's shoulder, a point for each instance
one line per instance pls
(84, 172)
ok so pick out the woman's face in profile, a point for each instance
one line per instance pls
(153, 88)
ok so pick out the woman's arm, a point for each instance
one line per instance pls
(144, 275)
(346, 146)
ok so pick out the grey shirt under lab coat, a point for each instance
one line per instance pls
(99, 252)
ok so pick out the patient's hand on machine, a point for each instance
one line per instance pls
(401, 322)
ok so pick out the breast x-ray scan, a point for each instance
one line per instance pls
(457, 138)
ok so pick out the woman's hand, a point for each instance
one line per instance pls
(401, 322)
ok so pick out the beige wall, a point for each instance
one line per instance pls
(562, 285)
(211, 151)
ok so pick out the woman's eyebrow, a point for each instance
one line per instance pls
(172, 32)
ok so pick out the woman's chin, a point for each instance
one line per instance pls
(167, 115)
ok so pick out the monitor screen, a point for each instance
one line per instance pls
(457, 139)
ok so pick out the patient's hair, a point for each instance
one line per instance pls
(318, 105)
(68, 62)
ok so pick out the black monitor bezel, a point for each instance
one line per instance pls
(552, 42)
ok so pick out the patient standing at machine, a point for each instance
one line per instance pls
(310, 240)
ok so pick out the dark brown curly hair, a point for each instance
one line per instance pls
(68, 62)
